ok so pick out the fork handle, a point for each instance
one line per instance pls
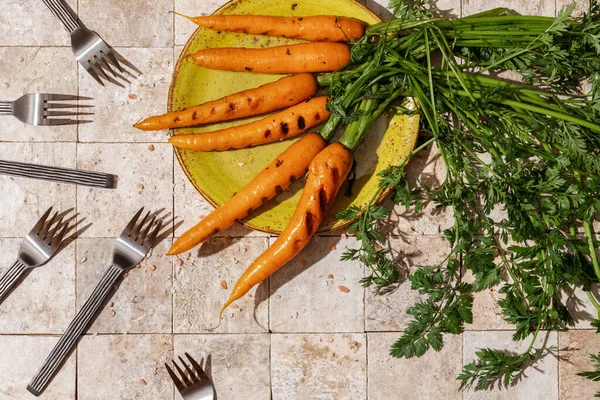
(10, 277)
(57, 174)
(68, 339)
(5, 107)
(64, 14)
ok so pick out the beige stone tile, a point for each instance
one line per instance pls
(316, 292)
(20, 359)
(238, 365)
(540, 381)
(580, 5)
(30, 23)
(144, 179)
(25, 200)
(387, 311)
(575, 348)
(580, 307)
(534, 7)
(44, 302)
(429, 168)
(185, 28)
(190, 207)
(124, 367)
(318, 366)
(432, 376)
(142, 304)
(487, 314)
(33, 70)
(203, 283)
(132, 23)
(118, 109)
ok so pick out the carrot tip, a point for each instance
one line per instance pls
(220, 317)
(182, 15)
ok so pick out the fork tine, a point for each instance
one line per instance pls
(184, 377)
(63, 121)
(92, 72)
(197, 367)
(62, 97)
(44, 231)
(107, 65)
(144, 235)
(65, 113)
(52, 231)
(191, 373)
(58, 238)
(136, 232)
(118, 75)
(152, 238)
(113, 59)
(118, 58)
(131, 223)
(52, 106)
(178, 384)
(98, 67)
(36, 228)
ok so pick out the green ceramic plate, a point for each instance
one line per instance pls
(218, 175)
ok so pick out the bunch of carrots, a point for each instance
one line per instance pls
(328, 166)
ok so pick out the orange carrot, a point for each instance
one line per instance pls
(291, 122)
(277, 176)
(285, 92)
(318, 28)
(327, 171)
(295, 58)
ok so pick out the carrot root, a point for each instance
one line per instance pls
(282, 93)
(319, 28)
(285, 124)
(276, 177)
(287, 59)
(327, 171)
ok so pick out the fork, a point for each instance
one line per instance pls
(38, 246)
(41, 108)
(90, 50)
(58, 174)
(130, 248)
(195, 385)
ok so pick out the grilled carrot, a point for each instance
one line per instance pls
(277, 176)
(318, 28)
(285, 92)
(327, 171)
(287, 59)
(291, 122)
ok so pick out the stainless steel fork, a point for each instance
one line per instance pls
(130, 249)
(43, 108)
(38, 246)
(194, 383)
(93, 53)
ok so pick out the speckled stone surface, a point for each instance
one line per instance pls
(311, 331)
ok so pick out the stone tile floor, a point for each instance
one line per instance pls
(298, 336)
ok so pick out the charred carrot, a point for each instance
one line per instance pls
(327, 171)
(318, 28)
(276, 177)
(285, 124)
(285, 92)
(287, 59)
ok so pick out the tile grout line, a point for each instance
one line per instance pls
(558, 362)
(77, 213)
(173, 394)
(364, 293)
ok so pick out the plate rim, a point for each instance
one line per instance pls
(340, 224)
